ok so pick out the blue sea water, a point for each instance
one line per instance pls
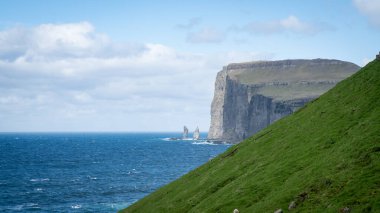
(91, 172)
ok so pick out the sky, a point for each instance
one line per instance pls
(131, 66)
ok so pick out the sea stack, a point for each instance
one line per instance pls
(185, 132)
(250, 96)
(196, 134)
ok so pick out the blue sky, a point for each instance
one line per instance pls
(151, 65)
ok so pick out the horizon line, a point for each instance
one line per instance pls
(2, 132)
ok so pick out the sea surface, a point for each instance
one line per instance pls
(92, 172)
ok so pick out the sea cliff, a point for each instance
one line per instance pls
(250, 96)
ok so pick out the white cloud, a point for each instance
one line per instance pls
(66, 37)
(290, 24)
(371, 9)
(206, 35)
(55, 41)
(70, 77)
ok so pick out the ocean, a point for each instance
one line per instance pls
(92, 172)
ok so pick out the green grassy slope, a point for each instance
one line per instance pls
(326, 156)
(317, 73)
(302, 70)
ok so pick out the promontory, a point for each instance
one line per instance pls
(250, 96)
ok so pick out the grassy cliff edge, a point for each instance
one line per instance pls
(324, 157)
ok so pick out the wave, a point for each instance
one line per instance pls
(207, 142)
(204, 143)
(133, 171)
(24, 206)
(180, 139)
(39, 179)
(77, 206)
(166, 139)
(188, 139)
(91, 178)
(75, 179)
(177, 139)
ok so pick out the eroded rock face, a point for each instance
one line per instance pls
(185, 132)
(250, 96)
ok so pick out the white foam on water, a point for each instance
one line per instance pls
(166, 139)
(204, 143)
(77, 206)
(187, 139)
(39, 179)
(75, 179)
(177, 139)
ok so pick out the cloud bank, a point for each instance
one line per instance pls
(371, 9)
(69, 77)
(290, 24)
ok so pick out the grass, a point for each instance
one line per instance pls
(304, 71)
(325, 157)
(294, 91)
(328, 71)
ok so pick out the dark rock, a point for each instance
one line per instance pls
(196, 134)
(185, 132)
(173, 139)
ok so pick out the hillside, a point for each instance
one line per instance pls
(250, 96)
(325, 157)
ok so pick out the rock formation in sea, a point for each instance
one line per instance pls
(250, 96)
(185, 132)
(196, 134)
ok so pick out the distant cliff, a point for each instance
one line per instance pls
(250, 96)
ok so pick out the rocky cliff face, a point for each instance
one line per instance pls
(250, 96)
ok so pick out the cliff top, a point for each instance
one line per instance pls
(298, 70)
(289, 62)
(291, 79)
(324, 157)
